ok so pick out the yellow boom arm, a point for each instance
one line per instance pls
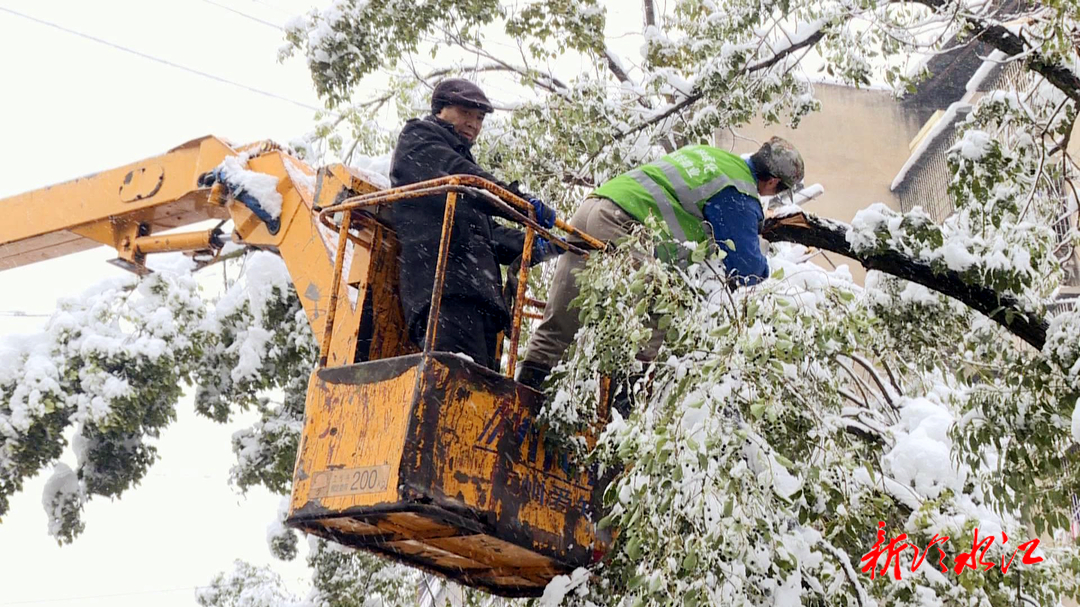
(136, 209)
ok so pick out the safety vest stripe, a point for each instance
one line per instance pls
(662, 202)
(682, 189)
(688, 198)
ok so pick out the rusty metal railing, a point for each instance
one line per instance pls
(510, 205)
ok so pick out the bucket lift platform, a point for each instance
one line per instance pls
(428, 458)
(434, 461)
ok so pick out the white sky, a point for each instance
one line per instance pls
(71, 107)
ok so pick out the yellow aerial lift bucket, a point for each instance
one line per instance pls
(435, 461)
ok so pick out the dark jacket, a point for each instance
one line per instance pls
(427, 149)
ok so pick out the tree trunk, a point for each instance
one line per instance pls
(650, 13)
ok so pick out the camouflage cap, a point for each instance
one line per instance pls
(784, 161)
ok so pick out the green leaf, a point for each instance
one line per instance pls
(690, 561)
(698, 254)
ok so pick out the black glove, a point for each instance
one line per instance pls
(543, 250)
(545, 215)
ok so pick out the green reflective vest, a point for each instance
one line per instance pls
(675, 188)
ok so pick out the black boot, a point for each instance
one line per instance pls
(532, 374)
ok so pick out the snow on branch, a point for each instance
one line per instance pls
(831, 236)
(695, 96)
(1003, 38)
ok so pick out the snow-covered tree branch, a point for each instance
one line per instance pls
(834, 236)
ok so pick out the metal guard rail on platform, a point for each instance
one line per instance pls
(510, 204)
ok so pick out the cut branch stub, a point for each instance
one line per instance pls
(831, 236)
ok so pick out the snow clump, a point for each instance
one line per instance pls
(260, 186)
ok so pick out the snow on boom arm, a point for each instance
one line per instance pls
(271, 197)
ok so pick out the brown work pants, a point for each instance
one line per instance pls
(606, 221)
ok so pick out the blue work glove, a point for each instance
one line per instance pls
(543, 250)
(545, 215)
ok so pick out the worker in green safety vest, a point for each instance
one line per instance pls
(699, 194)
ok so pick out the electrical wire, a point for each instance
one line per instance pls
(163, 61)
(245, 15)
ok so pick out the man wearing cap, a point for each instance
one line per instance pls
(473, 311)
(699, 194)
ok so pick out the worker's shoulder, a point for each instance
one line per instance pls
(725, 198)
(423, 127)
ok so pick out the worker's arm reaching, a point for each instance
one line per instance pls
(736, 217)
(509, 244)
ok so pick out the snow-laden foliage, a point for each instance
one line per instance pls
(258, 340)
(1007, 195)
(105, 374)
(573, 128)
(590, 98)
(780, 424)
(246, 586)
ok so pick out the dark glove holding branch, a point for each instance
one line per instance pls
(543, 250)
(545, 215)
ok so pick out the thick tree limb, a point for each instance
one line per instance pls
(613, 65)
(831, 236)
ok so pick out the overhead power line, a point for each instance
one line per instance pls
(243, 14)
(163, 61)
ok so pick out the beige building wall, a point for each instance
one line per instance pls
(853, 147)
